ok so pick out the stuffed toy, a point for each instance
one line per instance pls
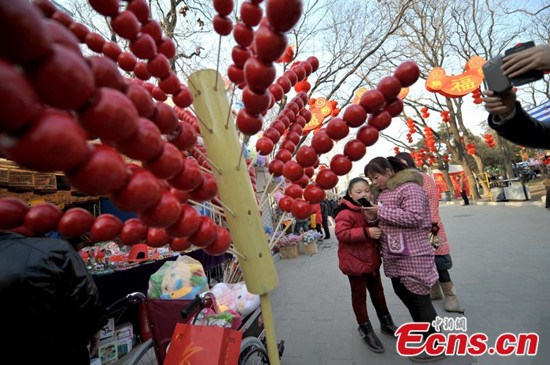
(235, 297)
(183, 279)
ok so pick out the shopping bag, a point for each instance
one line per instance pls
(203, 345)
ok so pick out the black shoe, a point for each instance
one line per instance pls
(424, 357)
(387, 326)
(328, 237)
(367, 333)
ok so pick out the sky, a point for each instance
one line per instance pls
(474, 115)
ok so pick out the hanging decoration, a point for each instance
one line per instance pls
(445, 117)
(320, 109)
(425, 112)
(476, 94)
(455, 86)
(430, 140)
(412, 130)
(288, 56)
(488, 138)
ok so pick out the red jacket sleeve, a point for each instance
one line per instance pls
(345, 232)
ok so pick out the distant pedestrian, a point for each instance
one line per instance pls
(462, 186)
(359, 259)
(326, 212)
(300, 226)
(317, 223)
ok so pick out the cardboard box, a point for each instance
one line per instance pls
(108, 351)
(124, 331)
(108, 330)
(124, 347)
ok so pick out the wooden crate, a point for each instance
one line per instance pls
(44, 183)
(21, 180)
(289, 252)
(4, 177)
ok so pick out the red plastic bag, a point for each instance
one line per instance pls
(203, 345)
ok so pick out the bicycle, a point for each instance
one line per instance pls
(161, 316)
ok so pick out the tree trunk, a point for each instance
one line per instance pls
(481, 168)
(507, 155)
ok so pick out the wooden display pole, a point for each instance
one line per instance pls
(235, 189)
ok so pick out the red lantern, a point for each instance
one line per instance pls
(476, 94)
(425, 113)
(287, 56)
(489, 140)
(302, 86)
(471, 149)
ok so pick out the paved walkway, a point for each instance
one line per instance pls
(501, 267)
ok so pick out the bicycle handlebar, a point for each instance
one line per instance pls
(191, 307)
(202, 300)
(131, 298)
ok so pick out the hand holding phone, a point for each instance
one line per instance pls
(494, 79)
(371, 212)
(526, 63)
(364, 202)
(520, 65)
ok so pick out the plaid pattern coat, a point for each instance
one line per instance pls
(405, 219)
(433, 196)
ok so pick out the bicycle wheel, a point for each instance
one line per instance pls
(253, 352)
(142, 354)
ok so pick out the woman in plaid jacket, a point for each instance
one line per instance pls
(443, 260)
(403, 215)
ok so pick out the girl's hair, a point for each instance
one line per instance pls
(347, 197)
(408, 158)
(377, 165)
(354, 181)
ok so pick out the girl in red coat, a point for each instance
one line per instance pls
(359, 259)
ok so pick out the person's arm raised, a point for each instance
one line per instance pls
(534, 58)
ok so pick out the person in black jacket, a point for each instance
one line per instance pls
(50, 306)
(325, 212)
(513, 123)
(506, 116)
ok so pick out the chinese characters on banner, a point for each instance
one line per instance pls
(455, 86)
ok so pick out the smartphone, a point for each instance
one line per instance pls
(526, 77)
(494, 78)
(364, 202)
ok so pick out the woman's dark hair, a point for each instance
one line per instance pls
(377, 165)
(405, 156)
(396, 164)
